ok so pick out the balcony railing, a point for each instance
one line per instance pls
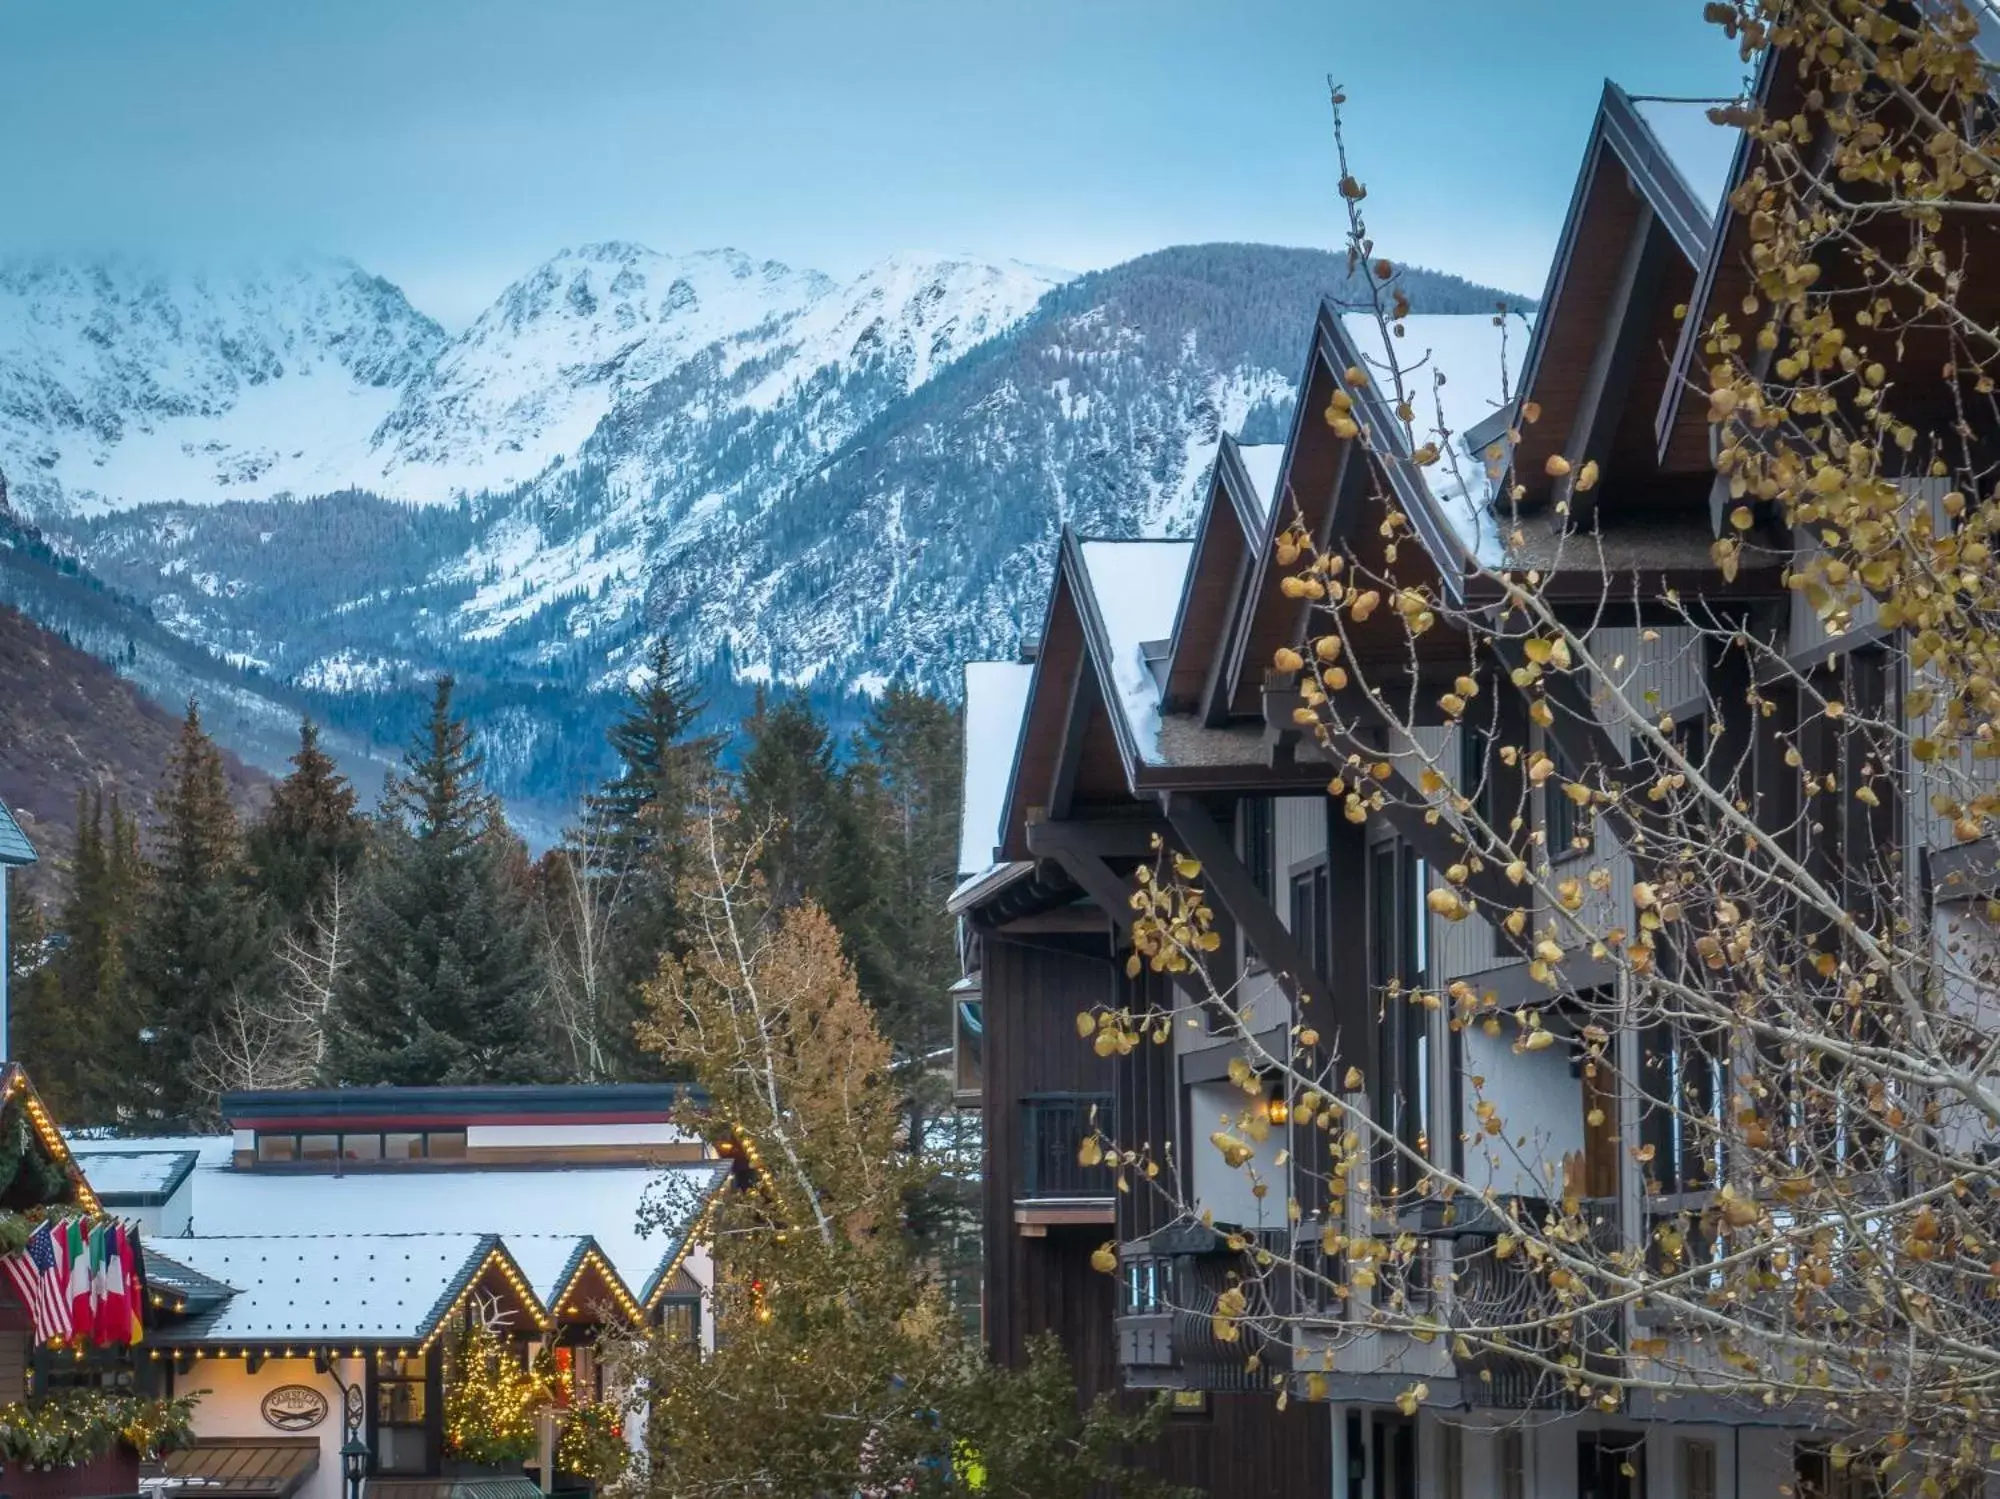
(1053, 1126)
(1166, 1318)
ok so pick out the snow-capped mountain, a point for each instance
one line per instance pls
(541, 367)
(802, 481)
(124, 382)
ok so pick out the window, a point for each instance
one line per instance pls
(1451, 1454)
(1611, 1465)
(1256, 845)
(1312, 916)
(1697, 1469)
(288, 1147)
(1562, 821)
(680, 1318)
(1396, 959)
(1258, 841)
(402, 1413)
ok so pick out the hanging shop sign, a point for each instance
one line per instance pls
(294, 1407)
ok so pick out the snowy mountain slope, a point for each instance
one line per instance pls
(865, 486)
(123, 381)
(927, 540)
(541, 367)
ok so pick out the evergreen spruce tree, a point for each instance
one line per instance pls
(35, 1022)
(611, 898)
(311, 829)
(443, 982)
(905, 775)
(791, 797)
(199, 936)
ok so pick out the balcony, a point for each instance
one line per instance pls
(1052, 1187)
(1166, 1322)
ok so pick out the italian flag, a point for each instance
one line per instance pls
(78, 1287)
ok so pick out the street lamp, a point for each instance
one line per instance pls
(354, 1462)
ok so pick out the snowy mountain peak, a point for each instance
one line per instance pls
(124, 379)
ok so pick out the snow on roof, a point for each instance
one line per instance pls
(1137, 587)
(1700, 150)
(1262, 462)
(603, 1202)
(1480, 363)
(120, 1177)
(338, 1286)
(548, 1260)
(211, 1150)
(996, 701)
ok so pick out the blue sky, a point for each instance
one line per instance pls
(451, 144)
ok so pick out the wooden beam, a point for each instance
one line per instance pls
(1103, 838)
(1224, 873)
(1612, 362)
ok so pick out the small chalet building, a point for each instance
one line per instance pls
(1147, 707)
(308, 1270)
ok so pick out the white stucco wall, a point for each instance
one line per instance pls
(1535, 1097)
(231, 1407)
(1217, 1188)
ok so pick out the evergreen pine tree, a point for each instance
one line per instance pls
(198, 939)
(443, 981)
(311, 828)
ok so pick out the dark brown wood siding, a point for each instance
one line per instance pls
(1243, 1446)
(1032, 990)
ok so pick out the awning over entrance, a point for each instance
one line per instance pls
(494, 1486)
(267, 1467)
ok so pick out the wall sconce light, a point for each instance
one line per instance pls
(1276, 1109)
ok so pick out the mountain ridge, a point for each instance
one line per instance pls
(852, 489)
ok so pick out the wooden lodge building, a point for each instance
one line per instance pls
(1147, 707)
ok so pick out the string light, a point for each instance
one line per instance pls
(495, 1256)
(694, 1236)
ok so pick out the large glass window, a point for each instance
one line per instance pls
(402, 1414)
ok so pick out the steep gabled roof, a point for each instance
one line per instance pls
(996, 703)
(1631, 243)
(1234, 520)
(1680, 426)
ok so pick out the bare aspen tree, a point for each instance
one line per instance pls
(1763, 923)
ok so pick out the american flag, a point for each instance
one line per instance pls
(39, 1276)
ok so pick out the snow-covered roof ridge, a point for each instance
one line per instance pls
(1135, 592)
(1264, 463)
(996, 704)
